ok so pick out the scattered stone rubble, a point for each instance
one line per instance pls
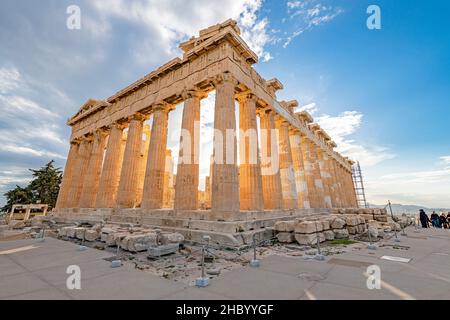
(128, 238)
(341, 224)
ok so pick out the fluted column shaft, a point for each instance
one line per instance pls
(336, 193)
(325, 176)
(312, 171)
(94, 170)
(80, 169)
(187, 180)
(68, 175)
(289, 190)
(251, 194)
(112, 165)
(225, 177)
(271, 180)
(299, 170)
(153, 195)
(129, 177)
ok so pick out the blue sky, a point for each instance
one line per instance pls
(383, 95)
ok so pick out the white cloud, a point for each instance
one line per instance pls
(9, 79)
(166, 23)
(306, 15)
(311, 108)
(341, 127)
(445, 160)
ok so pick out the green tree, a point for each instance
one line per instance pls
(45, 185)
(44, 188)
(16, 196)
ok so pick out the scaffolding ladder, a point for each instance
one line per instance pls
(359, 186)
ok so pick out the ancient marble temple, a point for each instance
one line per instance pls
(118, 163)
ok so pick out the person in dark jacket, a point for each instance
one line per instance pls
(424, 220)
(443, 221)
(434, 219)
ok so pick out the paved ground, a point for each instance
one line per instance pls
(33, 270)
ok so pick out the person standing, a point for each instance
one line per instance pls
(424, 220)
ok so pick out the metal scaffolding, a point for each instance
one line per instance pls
(359, 186)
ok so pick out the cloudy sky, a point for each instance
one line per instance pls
(383, 95)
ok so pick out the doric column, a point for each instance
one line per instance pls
(80, 169)
(312, 173)
(344, 187)
(129, 177)
(289, 190)
(142, 164)
(336, 191)
(299, 169)
(68, 175)
(270, 162)
(92, 179)
(186, 185)
(225, 177)
(251, 194)
(112, 165)
(325, 176)
(352, 193)
(153, 194)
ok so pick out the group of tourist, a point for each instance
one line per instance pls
(435, 220)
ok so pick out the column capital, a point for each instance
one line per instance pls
(101, 132)
(119, 124)
(75, 141)
(193, 93)
(246, 96)
(89, 137)
(222, 78)
(138, 116)
(162, 106)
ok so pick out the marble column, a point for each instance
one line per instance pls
(68, 175)
(94, 170)
(336, 190)
(112, 165)
(187, 180)
(312, 173)
(299, 169)
(344, 187)
(270, 162)
(251, 194)
(153, 194)
(128, 185)
(289, 190)
(325, 176)
(143, 164)
(80, 169)
(225, 177)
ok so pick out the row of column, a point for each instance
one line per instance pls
(132, 170)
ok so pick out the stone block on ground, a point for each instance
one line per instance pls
(285, 226)
(91, 235)
(79, 233)
(329, 235)
(351, 220)
(337, 223)
(341, 234)
(351, 230)
(308, 227)
(286, 237)
(325, 224)
(172, 237)
(309, 239)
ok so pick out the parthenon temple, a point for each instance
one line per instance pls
(117, 166)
